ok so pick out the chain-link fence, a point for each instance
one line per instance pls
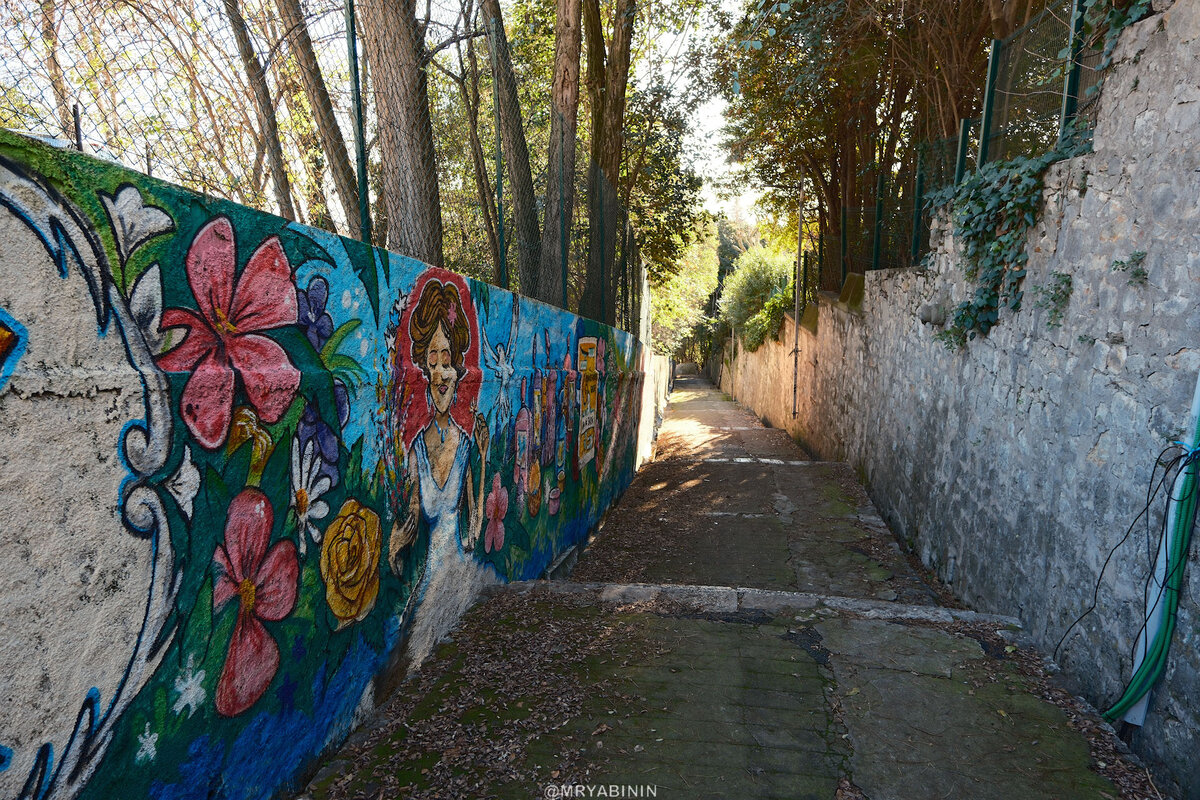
(612, 256)
(1087, 89)
(1040, 80)
(258, 101)
(335, 113)
(179, 90)
(1024, 98)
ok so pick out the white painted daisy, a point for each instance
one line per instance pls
(189, 684)
(147, 746)
(308, 484)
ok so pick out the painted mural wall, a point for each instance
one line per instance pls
(245, 461)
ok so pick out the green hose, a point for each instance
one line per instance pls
(1155, 661)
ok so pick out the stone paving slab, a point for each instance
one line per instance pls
(769, 705)
(746, 628)
(746, 506)
(910, 723)
(730, 600)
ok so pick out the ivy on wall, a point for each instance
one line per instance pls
(994, 207)
(767, 322)
(992, 211)
(1103, 20)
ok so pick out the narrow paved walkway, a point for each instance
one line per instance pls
(743, 626)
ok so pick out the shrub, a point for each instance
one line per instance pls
(757, 294)
(767, 322)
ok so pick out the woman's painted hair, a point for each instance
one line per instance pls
(439, 305)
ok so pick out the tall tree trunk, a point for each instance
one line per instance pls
(560, 189)
(899, 102)
(1009, 15)
(616, 79)
(593, 30)
(334, 146)
(591, 303)
(379, 217)
(395, 45)
(608, 78)
(516, 154)
(312, 181)
(266, 110)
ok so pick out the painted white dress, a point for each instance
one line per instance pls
(452, 577)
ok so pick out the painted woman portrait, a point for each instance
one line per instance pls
(438, 467)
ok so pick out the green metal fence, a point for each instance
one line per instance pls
(1040, 80)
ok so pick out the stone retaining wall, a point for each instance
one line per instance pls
(1015, 465)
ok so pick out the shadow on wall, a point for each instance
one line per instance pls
(246, 460)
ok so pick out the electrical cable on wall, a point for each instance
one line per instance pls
(1153, 488)
(1167, 556)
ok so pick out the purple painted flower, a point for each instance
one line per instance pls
(341, 399)
(312, 316)
(314, 429)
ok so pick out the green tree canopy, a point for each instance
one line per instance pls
(677, 303)
(825, 98)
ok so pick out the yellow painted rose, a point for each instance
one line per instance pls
(350, 562)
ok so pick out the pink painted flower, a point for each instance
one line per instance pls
(494, 508)
(223, 339)
(264, 582)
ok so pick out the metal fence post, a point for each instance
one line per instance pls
(989, 100)
(360, 150)
(964, 143)
(499, 157)
(623, 308)
(78, 117)
(1070, 101)
(821, 252)
(797, 294)
(918, 202)
(796, 288)
(604, 283)
(877, 234)
(562, 215)
(804, 287)
(844, 246)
